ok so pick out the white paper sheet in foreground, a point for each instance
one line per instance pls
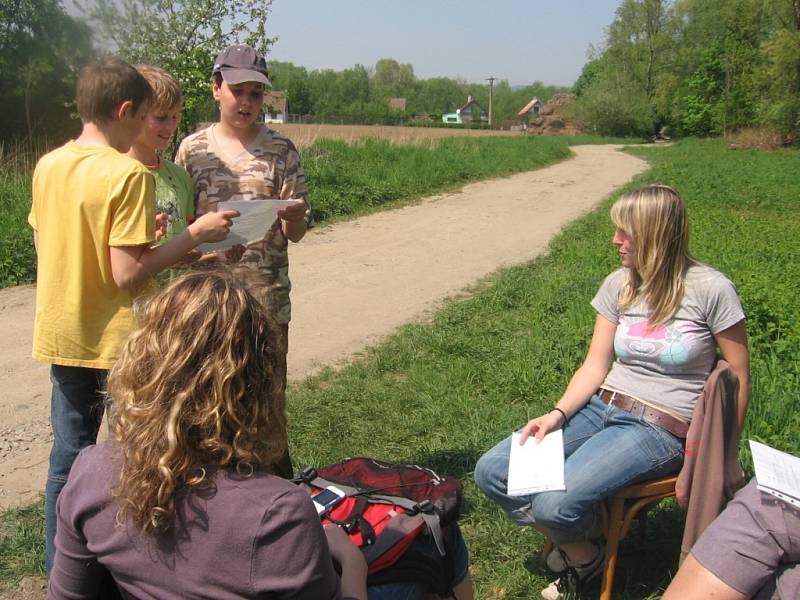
(255, 218)
(777, 473)
(534, 468)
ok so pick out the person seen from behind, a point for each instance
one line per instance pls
(93, 219)
(182, 501)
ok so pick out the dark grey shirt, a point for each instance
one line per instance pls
(246, 537)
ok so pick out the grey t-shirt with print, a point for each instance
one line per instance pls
(668, 365)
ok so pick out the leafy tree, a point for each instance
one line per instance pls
(720, 62)
(780, 78)
(42, 49)
(295, 82)
(615, 105)
(638, 40)
(392, 79)
(436, 96)
(590, 71)
(181, 36)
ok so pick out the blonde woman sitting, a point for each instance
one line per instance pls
(660, 319)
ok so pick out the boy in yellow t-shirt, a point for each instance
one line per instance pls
(93, 220)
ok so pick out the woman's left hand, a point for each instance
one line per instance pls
(541, 426)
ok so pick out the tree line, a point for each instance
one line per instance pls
(363, 93)
(43, 47)
(696, 67)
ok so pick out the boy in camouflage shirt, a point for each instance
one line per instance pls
(239, 158)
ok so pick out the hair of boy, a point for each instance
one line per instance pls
(104, 86)
(167, 92)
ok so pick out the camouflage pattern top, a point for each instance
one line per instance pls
(269, 162)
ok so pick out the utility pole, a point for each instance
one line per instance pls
(491, 81)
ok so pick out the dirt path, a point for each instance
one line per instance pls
(354, 283)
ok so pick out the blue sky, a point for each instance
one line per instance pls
(521, 41)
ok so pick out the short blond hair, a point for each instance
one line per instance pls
(167, 93)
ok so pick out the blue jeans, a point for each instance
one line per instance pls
(606, 449)
(76, 411)
(411, 590)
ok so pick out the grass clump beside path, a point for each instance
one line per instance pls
(348, 179)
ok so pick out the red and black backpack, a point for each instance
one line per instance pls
(397, 514)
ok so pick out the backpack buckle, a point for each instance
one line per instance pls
(426, 506)
(306, 475)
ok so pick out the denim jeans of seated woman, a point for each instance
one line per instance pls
(606, 449)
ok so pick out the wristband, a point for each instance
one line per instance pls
(563, 414)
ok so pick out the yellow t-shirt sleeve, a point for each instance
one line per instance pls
(133, 219)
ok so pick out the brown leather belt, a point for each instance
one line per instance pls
(674, 425)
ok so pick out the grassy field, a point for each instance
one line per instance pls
(442, 393)
(448, 390)
(346, 179)
(305, 134)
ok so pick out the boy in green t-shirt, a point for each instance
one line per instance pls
(174, 188)
(93, 218)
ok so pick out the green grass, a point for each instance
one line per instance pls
(17, 256)
(442, 393)
(21, 543)
(346, 180)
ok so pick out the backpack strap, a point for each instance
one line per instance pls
(424, 509)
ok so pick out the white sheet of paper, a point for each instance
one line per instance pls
(255, 218)
(777, 473)
(534, 468)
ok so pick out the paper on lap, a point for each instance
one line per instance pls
(254, 220)
(534, 468)
(777, 473)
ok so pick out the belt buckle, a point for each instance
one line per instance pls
(613, 397)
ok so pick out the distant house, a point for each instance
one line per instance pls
(531, 109)
(276, 107)
(470, 112)
(397, 104)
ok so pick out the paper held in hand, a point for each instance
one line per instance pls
(534, 468)
(777, 473)
(255, 218)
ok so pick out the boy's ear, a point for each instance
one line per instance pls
(126, 109)
(215, 89)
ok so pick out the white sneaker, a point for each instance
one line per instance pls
(575, 577)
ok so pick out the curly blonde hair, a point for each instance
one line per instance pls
(655, 218)
(194, 389)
